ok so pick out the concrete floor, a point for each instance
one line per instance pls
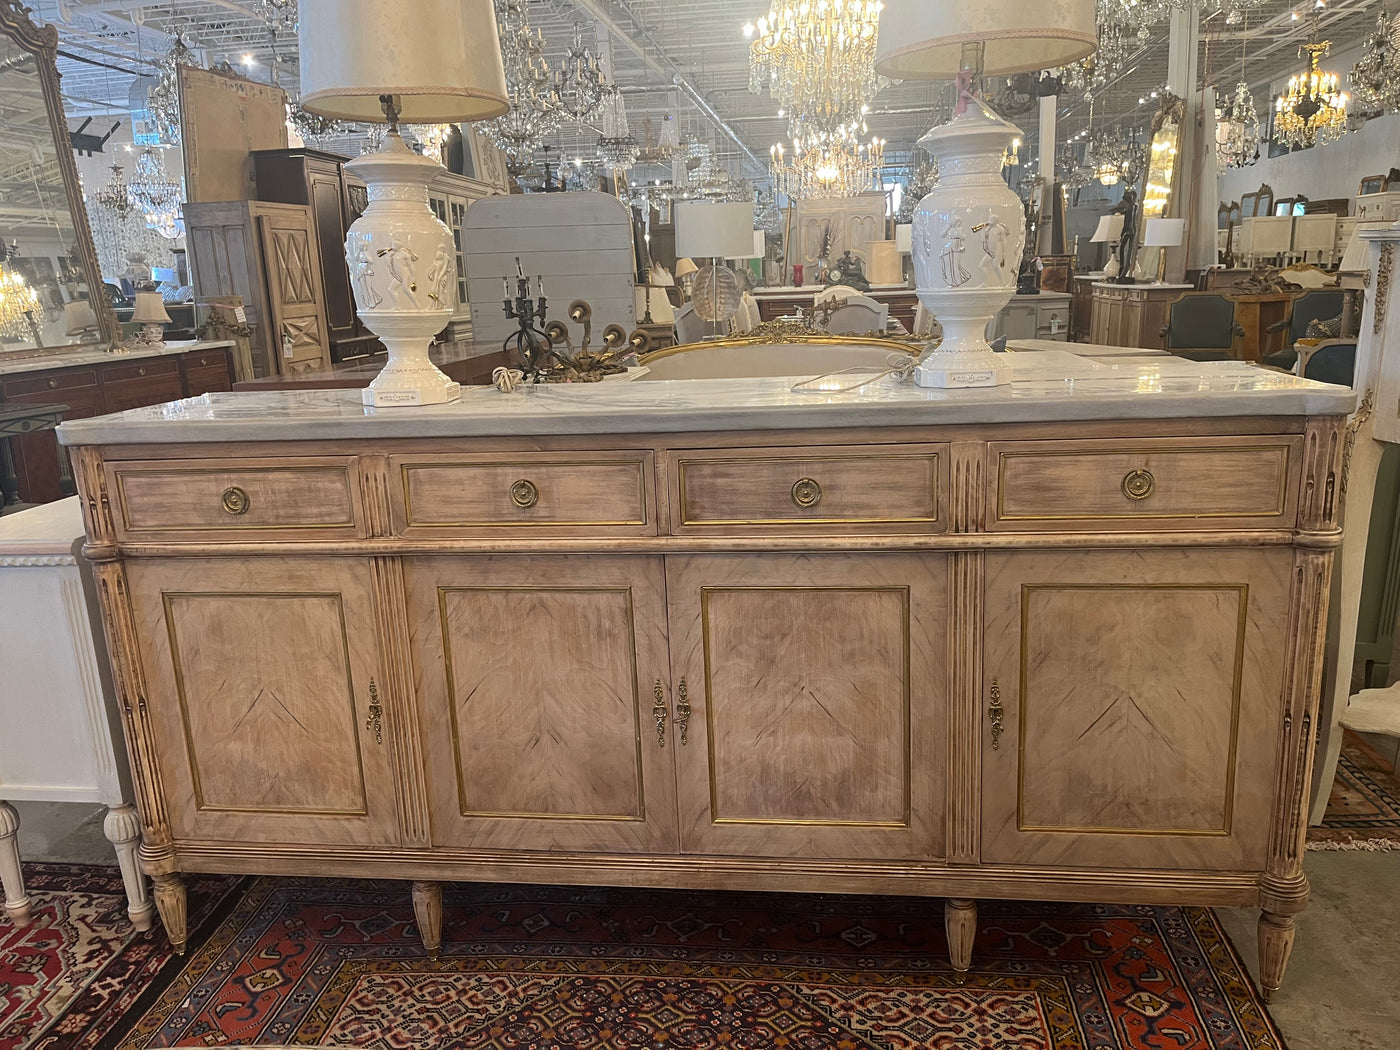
(1342, 991)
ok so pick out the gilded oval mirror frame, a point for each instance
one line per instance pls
(73, 253)
(1161, 177)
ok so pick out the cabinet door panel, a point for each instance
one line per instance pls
(261, 676)
(536, 681)
(1139, 697)
(818, 696)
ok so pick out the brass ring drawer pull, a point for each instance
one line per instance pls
(806, 492)
(524, 494)
(53, 384)
(1139, 484)
(235, 500)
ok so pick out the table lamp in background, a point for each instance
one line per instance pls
(150, 314)
(1108, 231)
(969, 232)
(80, 320)
(428, 62)
(714, 232)
(685, 274)
(1163, 234)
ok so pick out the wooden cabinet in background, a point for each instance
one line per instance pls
(270, 256)
(318, 180)
(449, 195)
(1132, 314)
(93, 390)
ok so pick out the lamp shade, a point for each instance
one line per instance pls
(923, 39)
(150, 309)
(1109, 229)
(78, 317)
(442, 58)
(904, 236)
(721, 231)
(1163, 233)
(685, 267)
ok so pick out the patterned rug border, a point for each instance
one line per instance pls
(1383, 836)
(143, 1020)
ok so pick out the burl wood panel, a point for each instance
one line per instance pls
(450, 494)
(818, 703)
(260, 677)
(536, 687)
(304, 496)
(1139, 700)
(1251, 482)
(854, 485)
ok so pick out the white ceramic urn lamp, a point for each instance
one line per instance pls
(969, 232)
(425, 62)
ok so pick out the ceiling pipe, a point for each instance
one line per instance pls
(719, 122)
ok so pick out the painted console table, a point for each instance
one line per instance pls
(62, 734)
(1055, 640)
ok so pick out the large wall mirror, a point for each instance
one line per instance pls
(1161, 181)
(51, 293)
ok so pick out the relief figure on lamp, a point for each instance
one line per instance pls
(438, 274)
(995, 236)
(954, 246)
(403, 288)
(362, 268)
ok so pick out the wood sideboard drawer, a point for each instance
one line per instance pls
(146, 368)
(871, 486)
(588, 489)
(69, 379)
(303, 498)
(1171, 483)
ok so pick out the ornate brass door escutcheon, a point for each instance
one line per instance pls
(235, 500)
(375, 722)
(658, 710)
(683, 713)
(1139, 484)
(994, 712)
(524, 494)
(806, 492)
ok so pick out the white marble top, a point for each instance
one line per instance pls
(1091, 350)
(1047, 386)
(71, 358)
(51, 528)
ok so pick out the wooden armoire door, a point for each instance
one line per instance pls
(265, 695)
(817, 695)
(538, 684)
(295, 294)
(1131, 710)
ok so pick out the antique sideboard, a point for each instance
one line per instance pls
(1057, 640)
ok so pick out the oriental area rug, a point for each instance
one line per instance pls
(1363, 811)
(289, 961)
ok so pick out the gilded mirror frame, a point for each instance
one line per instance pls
(42, 42)
(1172, 111)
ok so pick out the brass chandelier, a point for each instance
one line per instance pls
(18, 304)
(1313, 111)
(827, 166)
(817, 58)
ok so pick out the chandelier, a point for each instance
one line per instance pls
(432, 137)
(18, 304)
(1312, 111)
(1376, 77)
(580, 83)
(163, 100)
(534, 102)
(818, 59)
(1112, 159)
(312, 126)
(1237, 130)
(114, 196)
(923, 177)
(617, 146)
(155, 194)
(664, 149)
(827, 167)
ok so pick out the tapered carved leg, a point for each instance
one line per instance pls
(1275, 945)
(427, 908)
(960, 921)
(16, 900)
(173, 907)
(123, 830)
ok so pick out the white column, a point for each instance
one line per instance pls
(1046, 138)
(1183, 78)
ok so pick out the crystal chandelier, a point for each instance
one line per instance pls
(115, 196)
(312, 126)
(580, 83)
(617, 146)
(1237, 130)
(432, 137)
(1312, 111)
(534, 103)
(163, 101)
(825, 168)
(1376, 77)
(18, 304)
(818, 59)
(1112, 159)
(154, 192)
(923, 177)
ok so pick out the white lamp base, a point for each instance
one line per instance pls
(404, 383)
(957, 370)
